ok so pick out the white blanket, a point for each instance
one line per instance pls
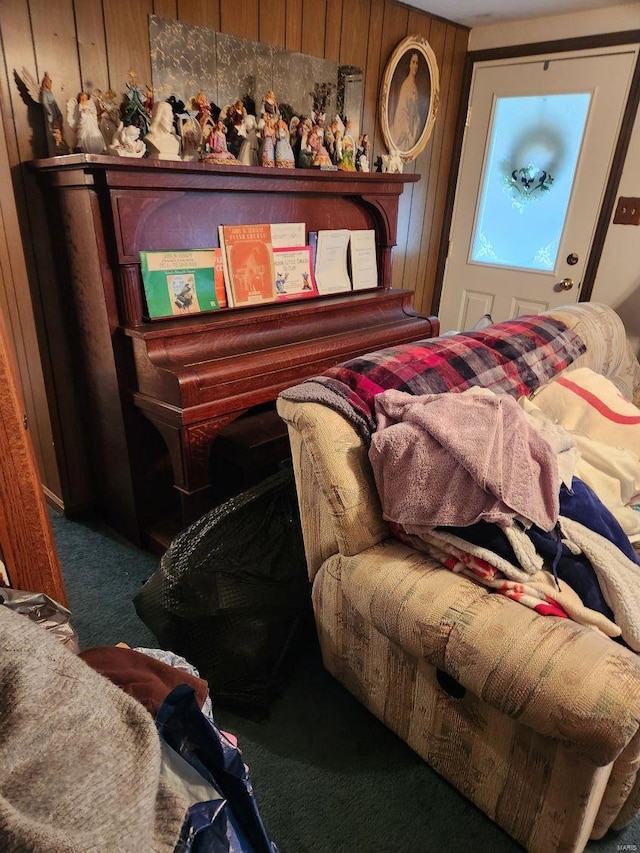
(606, 429)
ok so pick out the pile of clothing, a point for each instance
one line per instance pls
(114, 749)
(533, 498)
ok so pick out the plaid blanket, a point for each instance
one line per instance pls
(514, 357)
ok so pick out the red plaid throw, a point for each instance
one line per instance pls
(514, 357)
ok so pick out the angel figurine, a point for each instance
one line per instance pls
(108, 114)
(134, 110)
(82, 115)
(126, 142)
(190, 135)
(41, 93)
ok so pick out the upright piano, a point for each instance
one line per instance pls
(158, 392)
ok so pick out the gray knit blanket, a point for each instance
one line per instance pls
(79, 758)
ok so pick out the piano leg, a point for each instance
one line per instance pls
(190, 453)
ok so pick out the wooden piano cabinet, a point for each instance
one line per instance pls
(159, 392)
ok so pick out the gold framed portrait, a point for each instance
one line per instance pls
(409, 97)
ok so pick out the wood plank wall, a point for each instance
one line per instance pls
(93, 44)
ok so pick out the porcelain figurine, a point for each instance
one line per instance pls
(162, 143)
(41, 93)
(249, 148)
(270, 106)
(217, 147)
(235, 120)
(347, 162)
(134, 110)
(284, 158)
(302, 150)
(108, 114)
(320, 154)
(126, 142)
(268, 145)
(82, 116)
(190, 136)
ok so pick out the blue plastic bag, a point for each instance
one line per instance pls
(232, 824)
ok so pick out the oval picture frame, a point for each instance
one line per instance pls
(409, 97)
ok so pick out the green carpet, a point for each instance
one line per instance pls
(328, 776)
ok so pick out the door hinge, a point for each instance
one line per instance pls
(467, 120)
(449, 245)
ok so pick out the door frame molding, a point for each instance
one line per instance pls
(622, 145)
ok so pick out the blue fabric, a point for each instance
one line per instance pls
(583, 505)
(575, 570)
(231, 825)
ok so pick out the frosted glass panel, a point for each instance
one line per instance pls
(534, 147)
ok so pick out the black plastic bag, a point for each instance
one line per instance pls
(232, 592)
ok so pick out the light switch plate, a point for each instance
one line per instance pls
(627, 211)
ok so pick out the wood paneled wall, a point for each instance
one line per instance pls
(86, 44)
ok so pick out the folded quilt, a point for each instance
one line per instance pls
(515, 358)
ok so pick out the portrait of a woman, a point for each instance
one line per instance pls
(406, 125)
(409, 99)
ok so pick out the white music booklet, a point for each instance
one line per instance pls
(331, 272)
(362, 254)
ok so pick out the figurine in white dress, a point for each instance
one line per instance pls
(191, 136)
(248, 155)
(82, 116)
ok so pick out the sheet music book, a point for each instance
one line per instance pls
(225, 267)
(218, 273)
(294, 273)
(250, 271)
(179, 283)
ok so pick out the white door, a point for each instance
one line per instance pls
(537, 152)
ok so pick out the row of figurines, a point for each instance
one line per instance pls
(168, 130)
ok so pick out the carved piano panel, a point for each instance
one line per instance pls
(191, 376)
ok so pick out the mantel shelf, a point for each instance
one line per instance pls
(190, 174)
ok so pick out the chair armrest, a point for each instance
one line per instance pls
(339, 504)
(564, 680)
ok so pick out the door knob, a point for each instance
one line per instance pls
(566, 284)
